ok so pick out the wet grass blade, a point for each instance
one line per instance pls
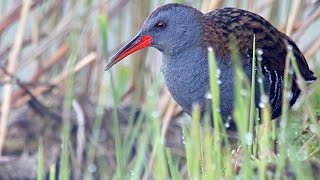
(40, 169)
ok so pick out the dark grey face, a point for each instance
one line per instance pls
(173, 28)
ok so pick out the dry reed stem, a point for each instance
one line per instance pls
(35, 32)
(293, 16)
(54, 59)
(204, 6)
(128, 94)
(61, 29)
(164, 101)
(148, 169)
(80, 138)
(313, 49)
(13, 16)
(4, 51)
(297, 35)
(90, 58)
(251, 5)
(209, 5)
(168, 117)
(7, 89)
(265, 4)
(215, 4)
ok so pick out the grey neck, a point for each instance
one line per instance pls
(186, 74)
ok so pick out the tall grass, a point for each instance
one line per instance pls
(208, 152)
(65, 165)
(207, 157)
(134, 147)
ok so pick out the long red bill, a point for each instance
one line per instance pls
(137, 43)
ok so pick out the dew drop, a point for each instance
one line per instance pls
(183, 138)
(263, 101)
(289, 47)
(313, 128)
(150, 93)
(262, 105)
(248, 138)
(155, 114)
(208, 95)
(243, 92)
(288, 95)
(92, 168)
(260, 80)
(259, 52)
(264, 98)
(227, 125)
(219, 81)
(291, 71)
(218, 72)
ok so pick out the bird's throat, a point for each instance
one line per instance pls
(186, 75)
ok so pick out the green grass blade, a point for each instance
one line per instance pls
(40, 169)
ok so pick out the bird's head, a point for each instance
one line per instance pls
(170, 29)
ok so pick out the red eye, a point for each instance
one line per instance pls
(161, 25)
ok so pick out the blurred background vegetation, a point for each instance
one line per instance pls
(63, 116)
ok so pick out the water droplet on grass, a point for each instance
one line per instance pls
(208, 95)
(291, 71)
(259, 52)
(248, 138)
(288, 95)
(155, 114)
(92, 168)
(131, 173)
(150, 93)
(218, 72)
(183, 138)
(243, 92)
(261, 105)
(263, 101)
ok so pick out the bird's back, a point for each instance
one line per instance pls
(243, 25)
(222, 25)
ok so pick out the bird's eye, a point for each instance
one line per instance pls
(161, 25)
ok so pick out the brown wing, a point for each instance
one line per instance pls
(242, 25)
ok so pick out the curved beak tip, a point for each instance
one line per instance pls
(108, 66)
(137, 43)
